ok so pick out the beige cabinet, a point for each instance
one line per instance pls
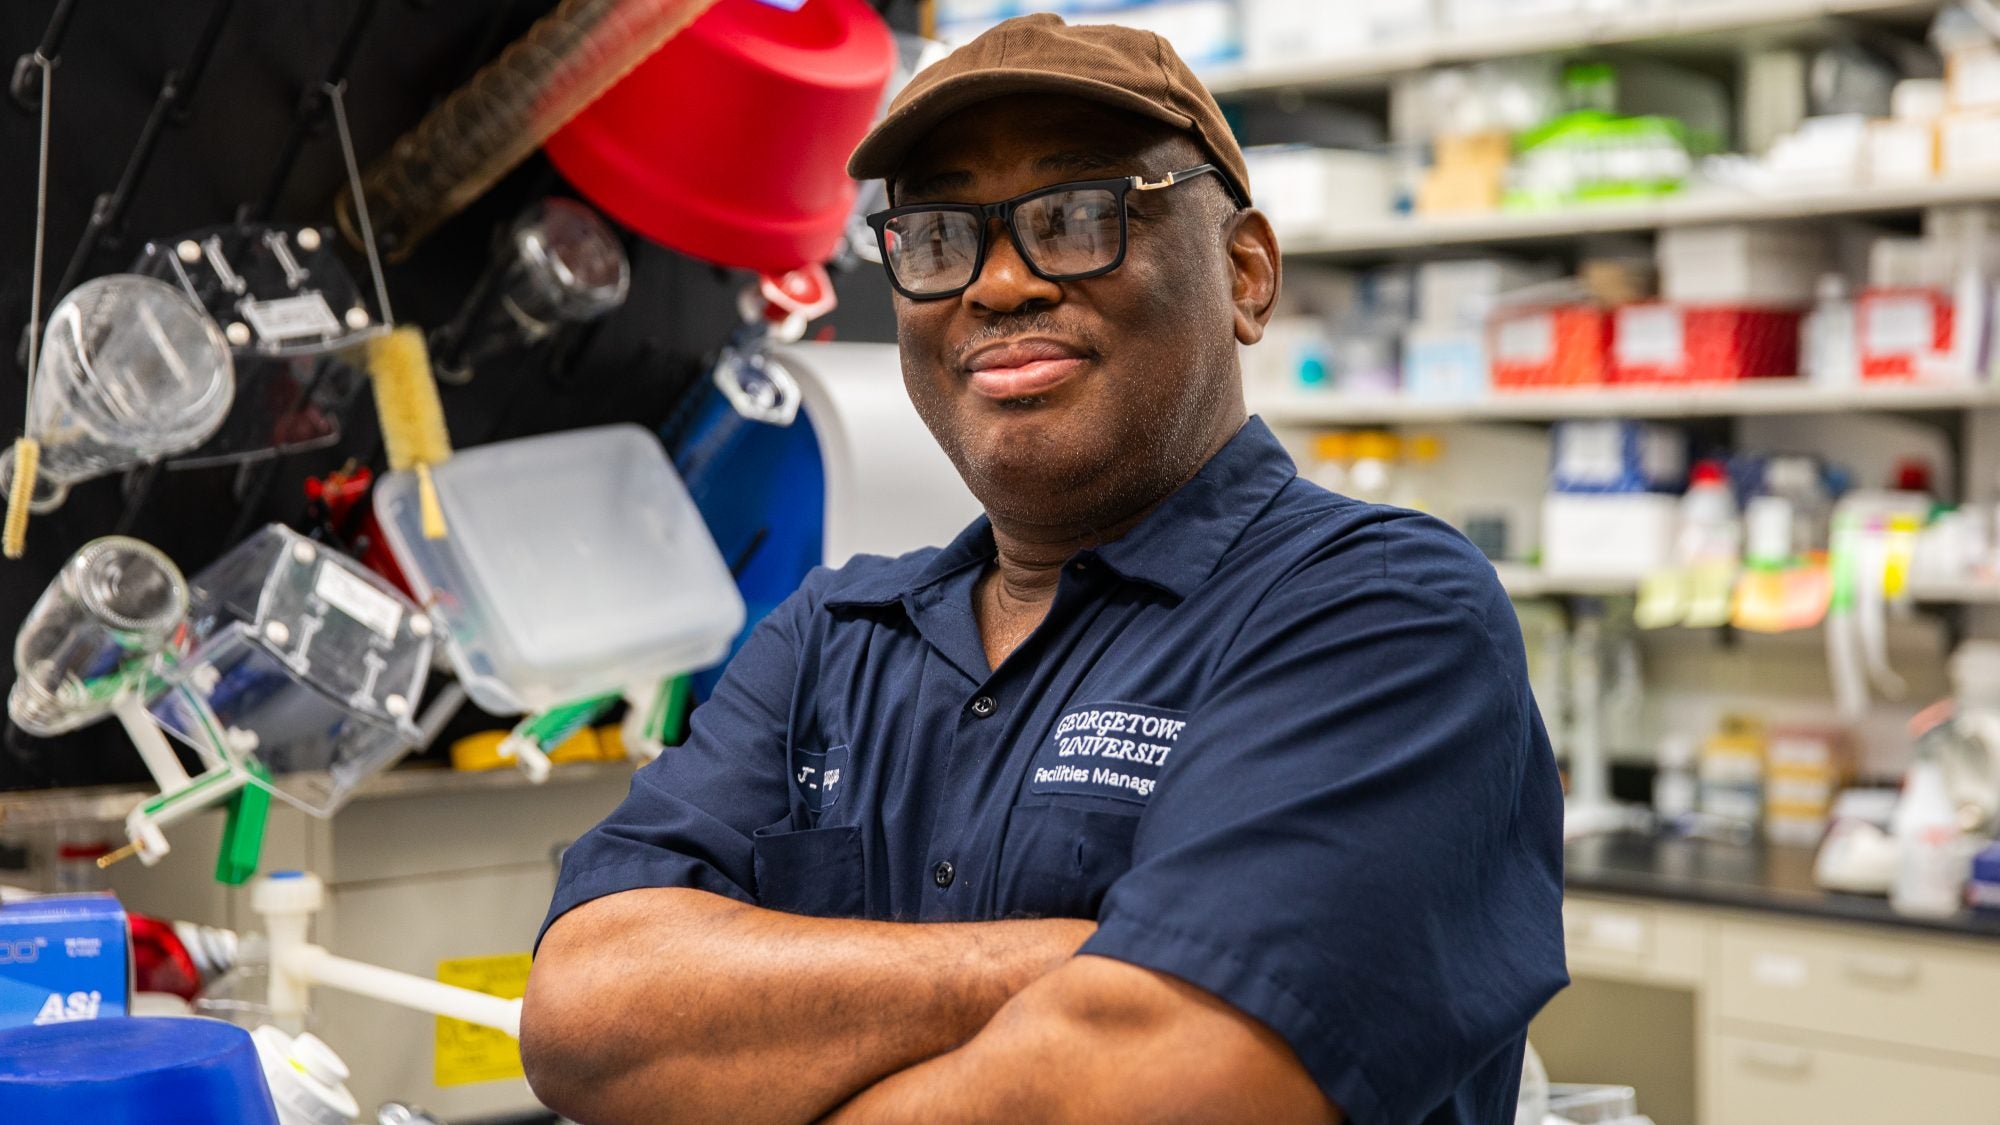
(1775, 1082)
(1802, 1020)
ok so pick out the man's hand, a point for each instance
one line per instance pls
(1102, 1041)
(679, 1005)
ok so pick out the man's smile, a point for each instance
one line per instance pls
(1026, 368)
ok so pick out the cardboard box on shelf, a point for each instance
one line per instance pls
(1203, 32)
(1285, 32)
(1972, 77)
(1569, 346)
(1969, 143)
(1445, 363)
(1462, 292)
(1902, 152)
(63, 958)
(1493, 15)
(1903, 332)
(1616, 455)
(1804, 771)
(1608, 535)
(1468, 174)
(1754, 264)
(1312, 191)
(1665, 343)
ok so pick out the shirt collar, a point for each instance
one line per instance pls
(1175, 548)
(1180, 544)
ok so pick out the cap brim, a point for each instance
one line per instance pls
(882, 151)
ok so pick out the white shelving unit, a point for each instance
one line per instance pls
(1446, 232)
(1689, 21)
(1523, 581)
(1761, 397)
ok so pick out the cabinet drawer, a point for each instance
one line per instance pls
(1617, 939)
(1764, 1082)
(1918, 992)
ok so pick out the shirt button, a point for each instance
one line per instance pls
(984, 706)
(943, 873)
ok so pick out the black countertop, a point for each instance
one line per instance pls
(1754, 877)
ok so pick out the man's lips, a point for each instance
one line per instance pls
(1023, 368)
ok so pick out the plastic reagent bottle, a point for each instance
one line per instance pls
(1710, 528)
(1829, 348)
(1931, 864)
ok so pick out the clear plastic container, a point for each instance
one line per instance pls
(303, 661)
(577, 564)
(130, 371)
(111, 610)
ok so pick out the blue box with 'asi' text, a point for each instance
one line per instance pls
(62, 958)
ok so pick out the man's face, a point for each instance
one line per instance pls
(1059, 401)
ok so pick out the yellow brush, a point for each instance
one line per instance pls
(27, 460)
(412, 416)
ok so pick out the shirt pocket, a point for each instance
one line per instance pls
(1059, 859)
(817, 871)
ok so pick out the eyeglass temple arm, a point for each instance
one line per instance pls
(1140, 183)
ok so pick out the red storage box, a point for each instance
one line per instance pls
(1903, 331)
(1662, 343)
(1568, 346)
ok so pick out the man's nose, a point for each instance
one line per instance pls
(1005, 283)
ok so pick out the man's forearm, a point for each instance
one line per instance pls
(1104, 1042)
(680, 1005)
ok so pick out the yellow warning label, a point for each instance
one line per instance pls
(466, 1052)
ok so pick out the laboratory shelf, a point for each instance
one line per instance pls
(1523, 581)
(1397, 236)
(1759, 397)
(1693, 21)
(44, 808)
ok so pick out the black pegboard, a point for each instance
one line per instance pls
(219, 159)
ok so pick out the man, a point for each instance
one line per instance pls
(1176, 789)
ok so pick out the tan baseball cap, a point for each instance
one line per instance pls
(1131, 70)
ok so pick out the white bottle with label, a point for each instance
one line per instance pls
(1711, 529)
(1829, 347)
(1932, 864)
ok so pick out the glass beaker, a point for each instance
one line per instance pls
(131, 370)
(570, 268)
(115, 605)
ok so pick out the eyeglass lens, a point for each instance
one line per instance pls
(1065, 234)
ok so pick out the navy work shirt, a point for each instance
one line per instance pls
(1278, 743)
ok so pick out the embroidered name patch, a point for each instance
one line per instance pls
(818, 777)
(1111, 750)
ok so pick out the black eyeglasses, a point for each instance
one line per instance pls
(1064, 232)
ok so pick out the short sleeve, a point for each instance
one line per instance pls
(688, 819)
(1358, 839)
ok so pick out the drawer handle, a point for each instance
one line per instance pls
(1900, 972)
(1611, 933)
(1777, 1060)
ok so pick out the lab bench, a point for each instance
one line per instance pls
(1730, 990)
(422, 867)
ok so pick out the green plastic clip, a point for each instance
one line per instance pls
(243, 828)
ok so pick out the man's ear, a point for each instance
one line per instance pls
(1255, 273)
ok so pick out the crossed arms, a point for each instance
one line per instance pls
(680, 1005)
